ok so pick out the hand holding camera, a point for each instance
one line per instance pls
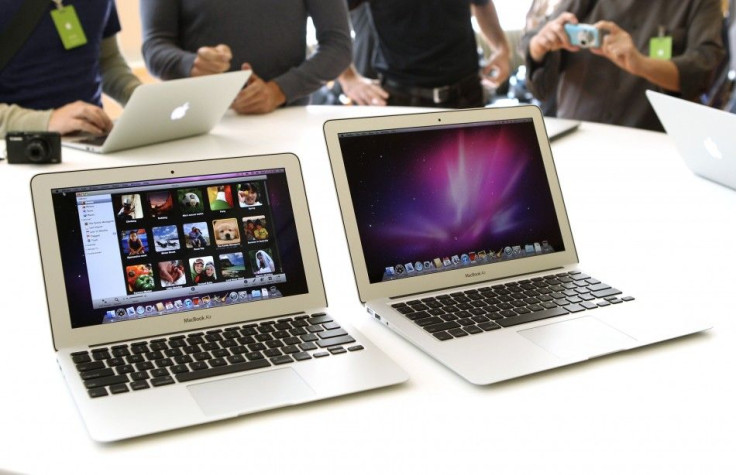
(552, 37)
(583, 35)
(619, 48)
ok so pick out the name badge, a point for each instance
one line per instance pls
(660, 47)
(68, 26)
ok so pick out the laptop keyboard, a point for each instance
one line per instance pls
(93, 140)
(485, 309)
(181, 358)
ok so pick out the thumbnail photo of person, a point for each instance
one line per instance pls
(197, 235)
(139, 278)
(171, 273)
(128, 206)
(165, 238)
(232, 265)
(190, 200)
(255, 228)
(226, 231)
(197, 266)
(249, 194)
(220, 197)
(134, 242)
(209, 273)
(160, 203)
(262, 261)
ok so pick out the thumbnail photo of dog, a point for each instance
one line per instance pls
(226, 231)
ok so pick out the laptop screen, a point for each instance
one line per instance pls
(440, 198)
(159, 247)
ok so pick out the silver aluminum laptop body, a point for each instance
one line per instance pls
(558, 128)
(167, 110)
(102, 293)
(460, 202)
(703, 136)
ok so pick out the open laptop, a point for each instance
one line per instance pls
(460, 242)
(165, 111)
(190, 292)
(558, 128)
(703, 136)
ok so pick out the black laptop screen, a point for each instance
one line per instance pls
(439, 198)
(154, 248)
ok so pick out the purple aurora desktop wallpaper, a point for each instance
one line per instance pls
(441, 191)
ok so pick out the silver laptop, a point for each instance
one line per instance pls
(460, 242)
(703, 136)
(190, 292)
(558, 128)
(165, 111)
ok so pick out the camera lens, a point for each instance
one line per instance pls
(37, 150)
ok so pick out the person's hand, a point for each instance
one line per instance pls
(258, 96)
(552, 37)
(79, 117)
(363, 91)
(165, 272)
(211, 60)
(618, 47)
(498, 69)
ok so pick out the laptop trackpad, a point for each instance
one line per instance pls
(251, 393)
(581, 338)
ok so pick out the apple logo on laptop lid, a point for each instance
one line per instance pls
(180, 112)
(712, 148)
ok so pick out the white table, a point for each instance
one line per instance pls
(641, 221)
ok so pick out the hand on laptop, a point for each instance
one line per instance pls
(80, 117)
(212, 60)
(259, 96)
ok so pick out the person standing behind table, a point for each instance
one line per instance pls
(607, 84)
(45, 86)
(538, 14)
(427, 54)
(183, 38)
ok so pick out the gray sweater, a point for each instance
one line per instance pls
(270, 35)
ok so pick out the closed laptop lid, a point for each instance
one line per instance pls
(435, 200)
(139, 251)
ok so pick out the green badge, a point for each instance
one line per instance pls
(660, 47)
(68, 26)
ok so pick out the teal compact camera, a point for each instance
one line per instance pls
(583, 35)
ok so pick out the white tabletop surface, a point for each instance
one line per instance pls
(641, 221)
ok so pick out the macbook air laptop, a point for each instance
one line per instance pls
(703, 136)
(165, 111)
(185, 293)
(460, 242)
(558, 128)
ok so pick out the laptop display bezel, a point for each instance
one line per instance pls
(451, 278)
(65, 336)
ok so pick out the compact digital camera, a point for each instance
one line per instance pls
(33, 147)
(583, 35)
